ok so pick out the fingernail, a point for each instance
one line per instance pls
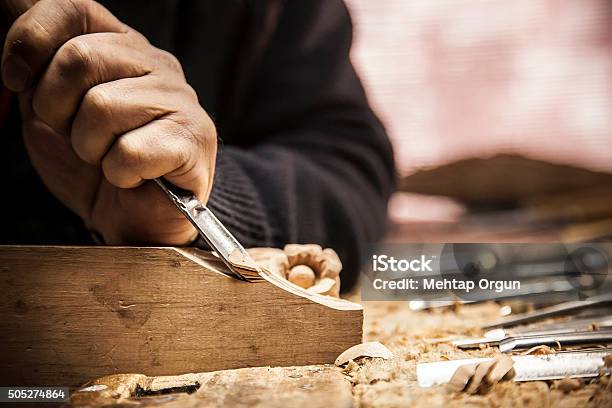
(15, 73)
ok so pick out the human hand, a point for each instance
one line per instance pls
(103, 112)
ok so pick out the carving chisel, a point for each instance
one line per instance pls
(225, 245)
(497, 336)
(593, 337)
(556, 310)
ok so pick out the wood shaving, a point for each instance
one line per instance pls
(308, 266)
(272, 259)
(481, 377)
(461, 377)
(502, 370)
(326, 286)
(372, 349)
(539, 350)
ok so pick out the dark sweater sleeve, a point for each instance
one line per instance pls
(315, 164)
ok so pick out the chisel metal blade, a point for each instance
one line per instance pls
(222, 242)
(596, 337)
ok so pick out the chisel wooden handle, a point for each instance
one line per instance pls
(14, 8)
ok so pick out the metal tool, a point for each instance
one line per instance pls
(592, 322)
(562, 308)
(496, 336)
(592, 337)
(574, 364)
(225, 245)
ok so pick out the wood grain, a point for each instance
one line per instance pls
(309, 386)
(70, 314)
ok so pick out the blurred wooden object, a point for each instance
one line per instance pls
(589, 231)
(577, 205)
(501, 180)
(70, 314)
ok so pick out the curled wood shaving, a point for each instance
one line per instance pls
(502, 370)
(539, 350)
(481, 377)
(306, 265)
(272, 259)
(372, 349)
(326, 286)
(477, 379)
(463, 374)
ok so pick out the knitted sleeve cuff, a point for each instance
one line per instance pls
(236, 202)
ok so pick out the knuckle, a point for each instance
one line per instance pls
(206, 130)
(25, 34)
(85, 147)
(195, 129)
(170, 61)
(77, 7)
(74, 58)
(97, 105)
(79, 4)
(128, 154)
(191, 93)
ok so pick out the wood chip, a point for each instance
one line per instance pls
(326, 286)
(272, 259)
(461, 377)
(502, 369)
(477, 379)
(372, 349)
(480, 377)
(539, 350)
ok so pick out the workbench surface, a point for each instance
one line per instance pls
(413, 337)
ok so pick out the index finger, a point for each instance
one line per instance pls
(38, 33)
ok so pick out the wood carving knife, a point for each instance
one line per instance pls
(225, 245)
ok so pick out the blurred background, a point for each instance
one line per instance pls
(500, 113)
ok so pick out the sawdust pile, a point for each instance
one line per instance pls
(417, 337)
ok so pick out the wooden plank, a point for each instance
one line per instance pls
(69, 314)
(309, 386)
